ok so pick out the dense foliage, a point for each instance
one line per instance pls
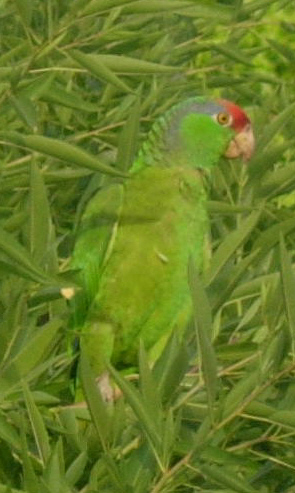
(80, 84)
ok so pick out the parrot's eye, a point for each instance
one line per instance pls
(223, 119)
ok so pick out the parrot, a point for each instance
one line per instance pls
(136, 235)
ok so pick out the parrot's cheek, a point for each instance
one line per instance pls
(241, 145)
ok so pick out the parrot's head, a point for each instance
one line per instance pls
(200, 131)
(196, 133)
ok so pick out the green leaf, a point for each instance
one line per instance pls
(275, 353)
(262, 161)
(220, 296)
(216, 207)
(135, 401)
(148, 387)
(97, 68)
(170, 367)
(278, 181)
(257, 5)
(25, 10)
(207, 11)
(233, 54)
(76, 469)
(283, 418)
(203, 324)
(9, 434)
(30, 479)
(57, 95)
(6, 489)
(282, 49)
(39, 86)
(169, 437)
(53, 476)
(96, 405)
(19, 257)
(73, 436)
(37, 424)
(27, 358)
(239, 393)
(127, 146)
(275, 126)
(97, 6)
(127, 65)
(270, 237)
(153, 6)
(230, 244)
(26, 110)
(288, 281)
(225, 477)
(60, 150)
(40, 220)
(16, 51)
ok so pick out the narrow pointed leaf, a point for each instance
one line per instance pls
(240, 392)
(283, 418)
(9, 434)
(279, 181)
(76, 469)
(128, 139)
(97, 6)
(283, 50)
(270, 237)
(37, 424)
(31, 482)
(153, 6)
(94, 400)
(96, 67)
(53, 476)
(127, 65)
(25, 109)
(233, 54)
(236, 273)
(148, 387)
(40, 220)
(171, 367)
(6, 489)
(275, 126)
(203, 323)
(27, 358)
(57, 95)
(169, 435)
(262, 161)
(20, 257)
(226, 478)
(288, 281)
(25, 10)
(230, 245)
(136, 403)
(60, 150)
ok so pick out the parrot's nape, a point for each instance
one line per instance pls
(136, 237)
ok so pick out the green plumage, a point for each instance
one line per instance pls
(136, 238)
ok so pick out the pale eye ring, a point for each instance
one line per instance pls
(223, 119)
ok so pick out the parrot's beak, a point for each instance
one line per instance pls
(242, 144)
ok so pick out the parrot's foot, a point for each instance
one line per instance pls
(105, 387)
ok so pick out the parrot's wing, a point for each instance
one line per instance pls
(94, 244)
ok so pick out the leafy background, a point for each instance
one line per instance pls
(80, 84)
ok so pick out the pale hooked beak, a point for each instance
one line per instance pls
(242, 144)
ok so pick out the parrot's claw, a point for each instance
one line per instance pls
(105, 387)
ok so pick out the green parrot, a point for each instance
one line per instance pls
(136, 236)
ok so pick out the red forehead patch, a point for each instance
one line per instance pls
(240, 119)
